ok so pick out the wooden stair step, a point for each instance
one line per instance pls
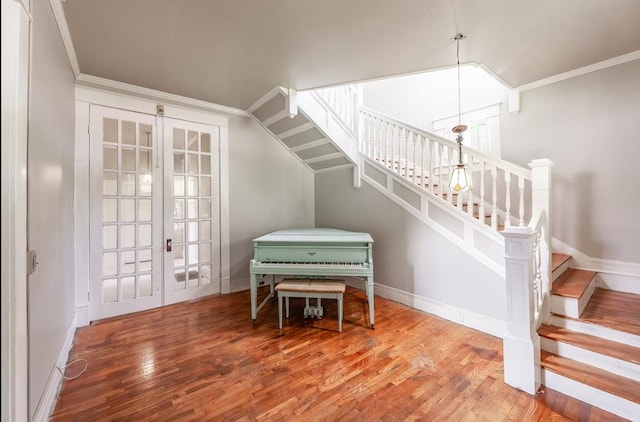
(594, 377)
(595, 344)
(617, 310)
(558, 259)
(572, 283)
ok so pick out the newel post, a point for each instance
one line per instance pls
(521, 345)
(541, 203)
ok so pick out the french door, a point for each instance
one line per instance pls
(149, 243)
(192, 233)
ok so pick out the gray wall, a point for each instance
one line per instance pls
(50, 209)
(407, 254)
(268, 190)
(589, 126)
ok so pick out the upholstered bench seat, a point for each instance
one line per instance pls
(310, 289)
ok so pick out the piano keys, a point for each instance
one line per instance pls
(313, 253)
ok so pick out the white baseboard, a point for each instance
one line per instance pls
(225, 286)
(618, 282)
(50, 395)
(483, 323)
(82, 315)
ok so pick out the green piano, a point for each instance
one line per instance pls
(311, 252)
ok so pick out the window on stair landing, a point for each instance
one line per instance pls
(483, 133)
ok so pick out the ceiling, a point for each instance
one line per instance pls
(232, 52)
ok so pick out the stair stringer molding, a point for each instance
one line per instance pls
(481, 242)
(307, 128)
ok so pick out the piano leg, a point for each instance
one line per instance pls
(369, 289)
(253, 285)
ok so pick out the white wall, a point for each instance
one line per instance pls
(51, 196)
(268, 190)
(422, 98)
(407, 254)
(589, 126)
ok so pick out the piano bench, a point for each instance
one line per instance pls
(310, 289)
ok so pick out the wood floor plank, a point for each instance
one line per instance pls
(205, 361)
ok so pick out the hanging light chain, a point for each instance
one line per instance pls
(458, 37)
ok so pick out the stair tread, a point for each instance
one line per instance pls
(572, 283)
(597, 378)
(617, 310)
(557, 259)
(596, 344)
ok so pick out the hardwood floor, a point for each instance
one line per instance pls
(205, 361)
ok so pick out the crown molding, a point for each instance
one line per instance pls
(634, 55)
(61, 20)
(152, 94)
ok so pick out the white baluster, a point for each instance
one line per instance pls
(423, 145)
(521, 192)
(507, 198)
(432, 179)
(394, 135)
(469, 195)
(405, 137)
(494, 198)
(440, 181)
(483, 169)
(414, 139)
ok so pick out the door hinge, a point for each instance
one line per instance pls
(89, 296)
(32, 262)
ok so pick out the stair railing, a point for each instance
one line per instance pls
(501, 189)
(343, 102)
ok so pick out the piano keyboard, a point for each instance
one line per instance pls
(312, 263)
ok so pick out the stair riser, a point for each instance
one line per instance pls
(558, 271)
(606, 401)
(596, 330)
(607, 363)
(572, 307)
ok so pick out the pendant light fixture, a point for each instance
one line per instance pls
(460, 179)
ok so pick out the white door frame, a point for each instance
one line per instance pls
(85, 96)
(16, 35)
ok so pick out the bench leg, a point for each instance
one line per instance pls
(340, 313)
(280, 310)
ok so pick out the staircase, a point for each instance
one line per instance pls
(589, 338)
(591, 346)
